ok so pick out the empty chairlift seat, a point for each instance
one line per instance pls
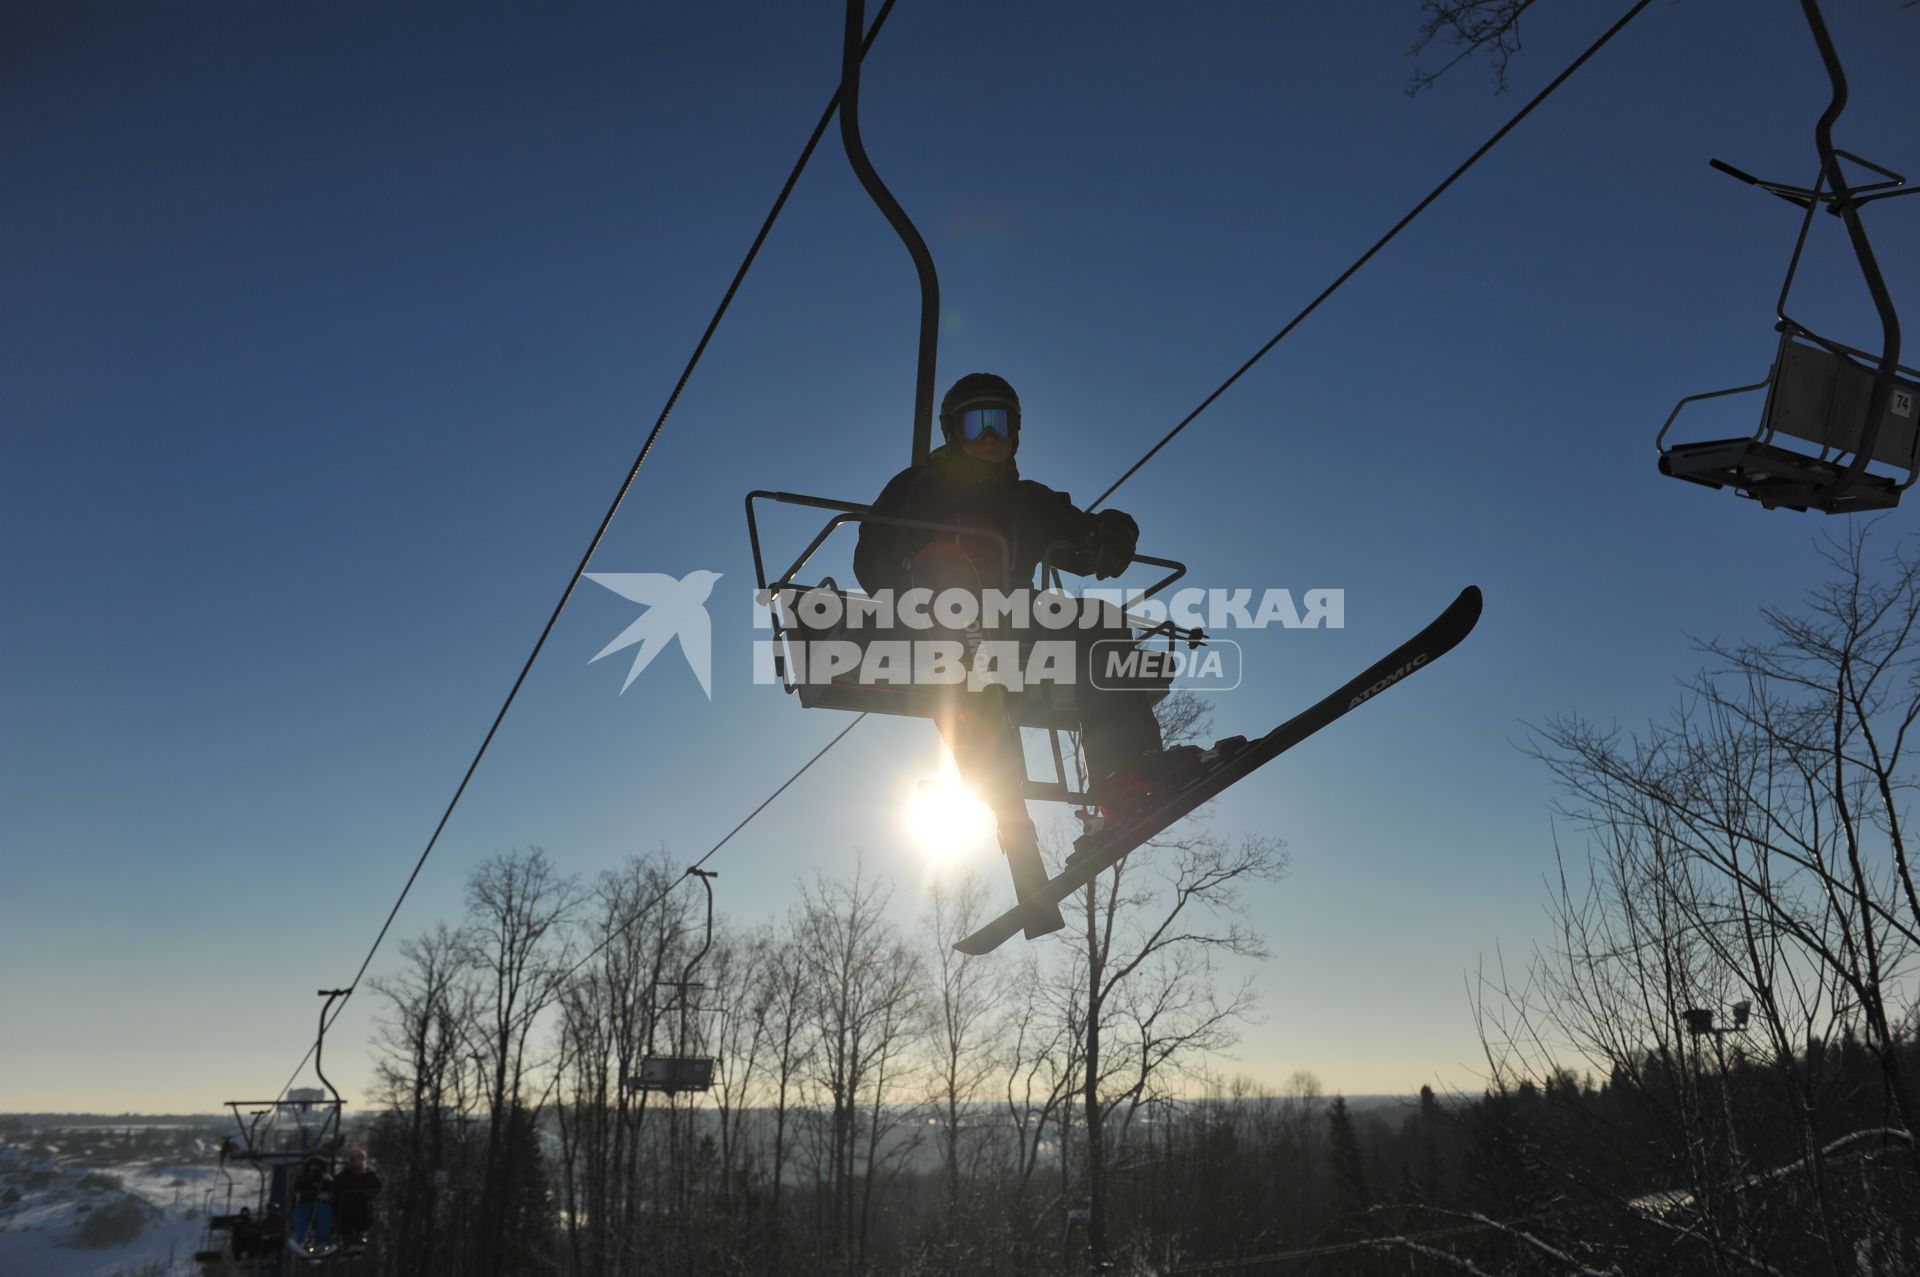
(1818, 396)
(1837, 433)
(687, 1063)
(673, 1074)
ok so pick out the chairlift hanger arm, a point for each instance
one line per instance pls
(902, 224)
(331, 996)
(1849, 211)
(706, 877)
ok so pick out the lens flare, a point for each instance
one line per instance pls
(946, 818)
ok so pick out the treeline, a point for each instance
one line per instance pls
(1680, 1163)
(881, 1105)
(876, 1110)
(878, 1102)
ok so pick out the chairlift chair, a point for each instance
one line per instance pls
(1047, 707)
(216, 1244)
(1044, 704)
(276, 1152)
(1818, 392)
(689, 1065)
(1855, 408)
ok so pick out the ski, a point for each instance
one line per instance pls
(1097, 851)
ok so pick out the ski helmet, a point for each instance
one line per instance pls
(971, 391)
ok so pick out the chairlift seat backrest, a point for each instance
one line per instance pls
(1822, 395)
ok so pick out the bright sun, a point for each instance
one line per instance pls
(946, 818)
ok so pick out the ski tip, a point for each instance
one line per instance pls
(1464, 612)
(996, 933)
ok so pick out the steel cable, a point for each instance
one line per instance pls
(606, 521)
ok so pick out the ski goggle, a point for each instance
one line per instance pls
(977, 423)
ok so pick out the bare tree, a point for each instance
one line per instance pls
(865, 990)
(893, 1038)
(419, 1051)
(964, 1002)
(1469, 26)
(1149, 1003)
(784, 996)
(738, 1021)
(1780, 784)
(517, 906)
(607, 1019)
(1040, 1067)
(1749, 850)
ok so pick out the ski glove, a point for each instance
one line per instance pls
(1114, 537)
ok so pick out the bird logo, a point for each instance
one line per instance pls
(675, 608)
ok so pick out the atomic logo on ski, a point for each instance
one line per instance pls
(1389, 680)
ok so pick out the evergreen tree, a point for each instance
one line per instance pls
(1431, 1176)
(1350, 1193)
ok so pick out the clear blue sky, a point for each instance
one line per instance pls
(328, 329)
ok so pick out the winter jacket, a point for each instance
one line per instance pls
(952, 488)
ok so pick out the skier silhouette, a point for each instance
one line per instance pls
(972, 481)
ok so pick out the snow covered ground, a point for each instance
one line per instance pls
(39, 1233)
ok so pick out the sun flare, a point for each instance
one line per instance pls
(946, 818)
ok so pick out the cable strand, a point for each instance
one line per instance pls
(1378, 244)
(664, 892)
(626, 485)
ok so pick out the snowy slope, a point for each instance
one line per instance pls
(37, 1233)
